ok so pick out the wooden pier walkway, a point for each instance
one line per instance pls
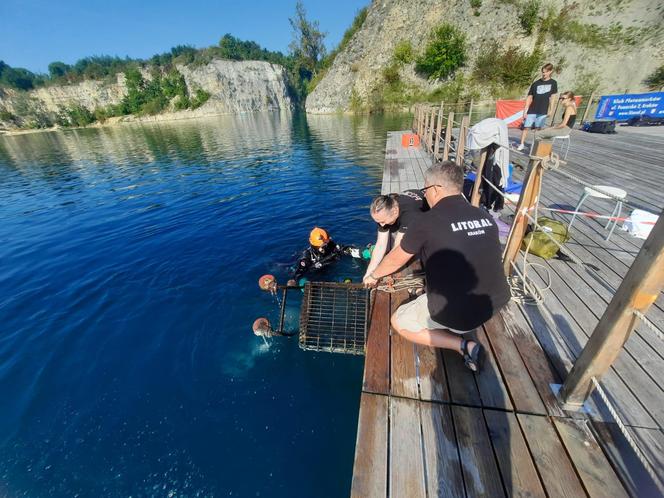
(429, 427)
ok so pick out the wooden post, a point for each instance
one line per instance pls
(470, 111)
(475, 198)
(638, 291)
(461, 145)
(529, 196)
(439, 129)
(425, 115)
(413, 126)
(585, 113)
(448, 136)
(432, 128)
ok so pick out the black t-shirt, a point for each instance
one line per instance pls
(411, 203)
(541, 91)
(459, 248)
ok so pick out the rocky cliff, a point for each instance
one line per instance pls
(606, 67)
(234, 87)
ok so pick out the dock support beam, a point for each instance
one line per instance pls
(529, 197)
(475, 198)
(637, 292)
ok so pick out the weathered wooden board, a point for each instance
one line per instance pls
(432, 380)
(403, 365)
(480, 472)
(406, 461)
(514, 461)
(553, 464)
(440, 452)
(370, 468)
(377, 357)
(521, 387)
(592, 466)
(633, 473)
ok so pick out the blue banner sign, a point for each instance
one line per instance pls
(623, 107)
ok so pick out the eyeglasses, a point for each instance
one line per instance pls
(426, 188)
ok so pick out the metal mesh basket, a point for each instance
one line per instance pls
(334, 317)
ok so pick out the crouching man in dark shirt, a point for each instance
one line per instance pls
(460, 251)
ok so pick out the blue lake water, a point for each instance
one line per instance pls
(129, 258)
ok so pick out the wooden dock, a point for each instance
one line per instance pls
(429, 427)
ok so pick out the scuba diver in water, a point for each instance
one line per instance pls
(321, 252)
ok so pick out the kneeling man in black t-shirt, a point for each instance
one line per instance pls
(460, 251)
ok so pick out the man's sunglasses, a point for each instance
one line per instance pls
(425, 188)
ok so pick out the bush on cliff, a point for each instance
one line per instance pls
(655, 80)
(507, 69)
(444, 54)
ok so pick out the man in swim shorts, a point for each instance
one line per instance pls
(539, 103)
(461, 255)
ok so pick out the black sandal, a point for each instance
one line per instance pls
(472, 359)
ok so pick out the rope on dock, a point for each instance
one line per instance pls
(642, 458)
(649, 324)
(396, 284)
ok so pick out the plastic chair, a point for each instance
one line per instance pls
(563, 139)
(615, 192)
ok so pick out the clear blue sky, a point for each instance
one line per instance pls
(34, 33)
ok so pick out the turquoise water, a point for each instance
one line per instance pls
(128, 265)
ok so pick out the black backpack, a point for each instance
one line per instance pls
(600, 127)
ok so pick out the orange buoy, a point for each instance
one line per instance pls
(267, 283)
(262, 327)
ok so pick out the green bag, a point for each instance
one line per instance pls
(542, 245)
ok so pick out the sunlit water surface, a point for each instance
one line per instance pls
(128, 265)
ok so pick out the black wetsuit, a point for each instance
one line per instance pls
(315, 258)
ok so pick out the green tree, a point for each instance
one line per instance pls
(307, 47)
(444, 53)
(57, 69)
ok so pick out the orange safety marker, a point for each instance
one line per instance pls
(410, 140)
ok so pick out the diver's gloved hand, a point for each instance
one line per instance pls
(354, 252)
(318, 265)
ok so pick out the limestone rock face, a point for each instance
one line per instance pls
(357, 70)
(234, 87)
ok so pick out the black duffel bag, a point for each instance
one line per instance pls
(600, 127)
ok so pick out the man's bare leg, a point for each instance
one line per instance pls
(524, 133)
(438, 338)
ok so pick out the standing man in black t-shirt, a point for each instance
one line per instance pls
(460, 251)
(539, 103)
(393, 213)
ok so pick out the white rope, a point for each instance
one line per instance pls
(626, 433)
(649, 324)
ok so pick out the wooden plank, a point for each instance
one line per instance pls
(493, 391)
(541, 371)
(553, 464)
(403, 368)
(461, 381)
(443, 476)
(370, 467)
(592, 466)
(521, 387)
(432, 380)
(634, 475)
(514, 461)
(406, 463)
(377, 357)
(480, 473)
